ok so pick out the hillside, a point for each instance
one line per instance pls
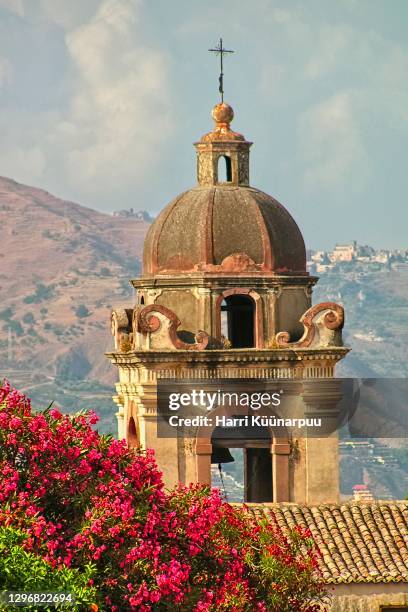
(375, 299)
(62, 267)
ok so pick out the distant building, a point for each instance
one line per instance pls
(344, 252)
(365, 252)
(361, 492)
(320, 257)
(363, 550)
(139, 215)
(400, 266)
(324, 267)
(363, 447)
(322, 261)
(382, 257)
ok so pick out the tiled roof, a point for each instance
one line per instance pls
(359, 541)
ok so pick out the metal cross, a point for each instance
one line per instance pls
(219, 50)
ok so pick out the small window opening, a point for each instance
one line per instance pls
(140, 298)
(132, 437)
(238, 320)
(224, 169)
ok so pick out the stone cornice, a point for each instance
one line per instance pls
(213, 357)
(224, 281)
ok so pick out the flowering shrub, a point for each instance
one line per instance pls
(21, 570)
(83, 500)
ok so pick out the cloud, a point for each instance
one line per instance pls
(31, 158)
(14, 6)
(67, 15)
(23, 154)
(6, 71)
(355, 91)
(112, 127)
(120, 104)
(331, 145)
(281, 15)
(331, 45)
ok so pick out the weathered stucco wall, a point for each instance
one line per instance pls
(369, 597)
(291, 305)
(185, 305)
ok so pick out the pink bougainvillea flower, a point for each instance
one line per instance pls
(83, 498)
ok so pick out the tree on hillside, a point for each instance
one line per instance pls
(81, 311)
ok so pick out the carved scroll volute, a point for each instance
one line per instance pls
(322, 328)
(121, 328)
(201, 340)
(159, 324)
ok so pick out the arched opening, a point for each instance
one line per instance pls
(142, 300)
(229, 477)
(241, 463)
(224, 171)
(238, 320)
(132, 437)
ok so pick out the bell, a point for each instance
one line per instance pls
(221, 455)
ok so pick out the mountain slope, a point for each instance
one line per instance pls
(62, 267)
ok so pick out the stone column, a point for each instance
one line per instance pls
(120, 416)
(321, 400)
(280, 471)
(166, 450)
(203, 451)
(271, 315)
(288, 472)
(203, 295)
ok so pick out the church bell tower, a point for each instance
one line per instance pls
(225, 294)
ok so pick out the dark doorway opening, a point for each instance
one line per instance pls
(258, 474)
(238, 320)
(224, 169)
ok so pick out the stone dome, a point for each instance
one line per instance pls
(224, 229)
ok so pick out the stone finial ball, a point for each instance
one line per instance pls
(222, 113)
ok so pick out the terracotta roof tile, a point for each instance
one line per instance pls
(365, 541)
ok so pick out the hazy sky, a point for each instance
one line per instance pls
(100, 102)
